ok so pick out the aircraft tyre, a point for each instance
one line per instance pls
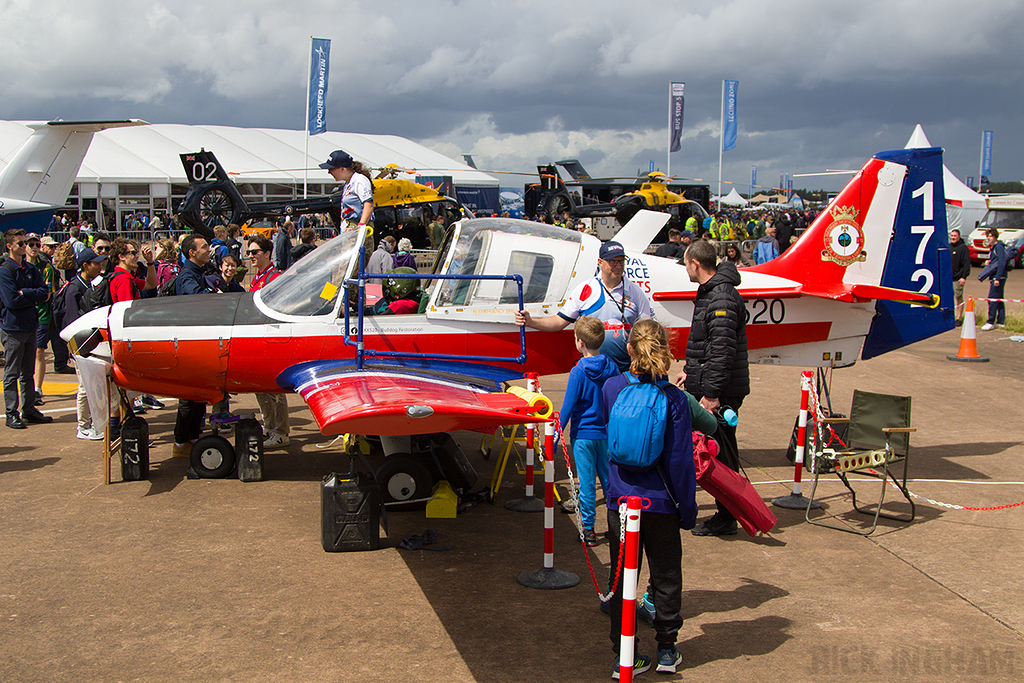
(213, 457)
(402, 477)
(558, 205)
(217, 207)
(624, 211)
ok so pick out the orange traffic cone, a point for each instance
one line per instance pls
(969, 338)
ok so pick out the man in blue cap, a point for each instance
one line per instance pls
(357, 196)
(609, 297)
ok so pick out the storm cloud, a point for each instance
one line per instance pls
(822, 84)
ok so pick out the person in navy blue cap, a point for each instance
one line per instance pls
(609, 297)
(357, 196)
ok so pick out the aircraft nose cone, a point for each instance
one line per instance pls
(93, 320)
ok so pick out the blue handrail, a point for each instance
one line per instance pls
(362, 351)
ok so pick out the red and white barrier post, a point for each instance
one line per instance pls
(548, 577)
(529, 503)
(630, 575)
(796, 501)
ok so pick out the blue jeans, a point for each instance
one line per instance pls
(996, 309)
(591, 456)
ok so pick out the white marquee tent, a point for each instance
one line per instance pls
(270, 162)
(732, 199)
(150, 153)
(964, 206)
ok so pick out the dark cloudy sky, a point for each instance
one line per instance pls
(515, 82)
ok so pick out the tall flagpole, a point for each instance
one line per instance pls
(305, 108)
(721, 144)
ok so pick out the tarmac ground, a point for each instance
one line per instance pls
(171, 579)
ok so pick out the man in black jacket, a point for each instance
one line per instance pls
(191, 280)
(21, 288)
(961, 258)
(716, 370)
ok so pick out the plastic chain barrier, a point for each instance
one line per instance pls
(951, 506)
(605, 597)
(958, 507)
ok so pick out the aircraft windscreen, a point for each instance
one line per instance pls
(311, 286)
(470, 256)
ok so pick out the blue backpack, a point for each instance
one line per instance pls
(636, 425)
(764, 252)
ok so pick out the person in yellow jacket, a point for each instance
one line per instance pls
(692, 225)
(725, 232)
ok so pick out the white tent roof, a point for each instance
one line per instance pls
(733, 199)
(956, 190)
(150, 154)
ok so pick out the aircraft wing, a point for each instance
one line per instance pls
(411, 397)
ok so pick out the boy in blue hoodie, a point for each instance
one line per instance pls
(582, 408)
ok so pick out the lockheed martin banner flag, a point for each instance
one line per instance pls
(729, 115)
(320, 63)
(676, 103)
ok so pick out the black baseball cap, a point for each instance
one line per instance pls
(88, 255)
(338, 159)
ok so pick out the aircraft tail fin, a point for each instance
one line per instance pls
(44, 168)
(212, 198)
(883, 237)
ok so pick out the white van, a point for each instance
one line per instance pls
(1005, 214)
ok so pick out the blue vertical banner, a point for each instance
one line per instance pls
(676, 107)
(319, 70)
(753, 178)
(970, 182)
(729, 115)
(986, 155)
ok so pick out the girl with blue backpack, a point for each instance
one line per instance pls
(666, 478)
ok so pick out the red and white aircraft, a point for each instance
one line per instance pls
(870, 275)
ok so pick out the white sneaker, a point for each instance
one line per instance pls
(276, 441)
(89, 435)
(988, 326)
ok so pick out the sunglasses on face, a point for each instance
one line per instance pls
(34, 245)
(18, 244)
(253, 252)
(99, 249)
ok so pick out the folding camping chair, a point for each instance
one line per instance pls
(878, 437)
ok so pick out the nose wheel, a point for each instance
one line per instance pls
(213, 457)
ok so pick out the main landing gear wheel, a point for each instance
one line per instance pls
(403, 478)
(213, 457)
(216, 208)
